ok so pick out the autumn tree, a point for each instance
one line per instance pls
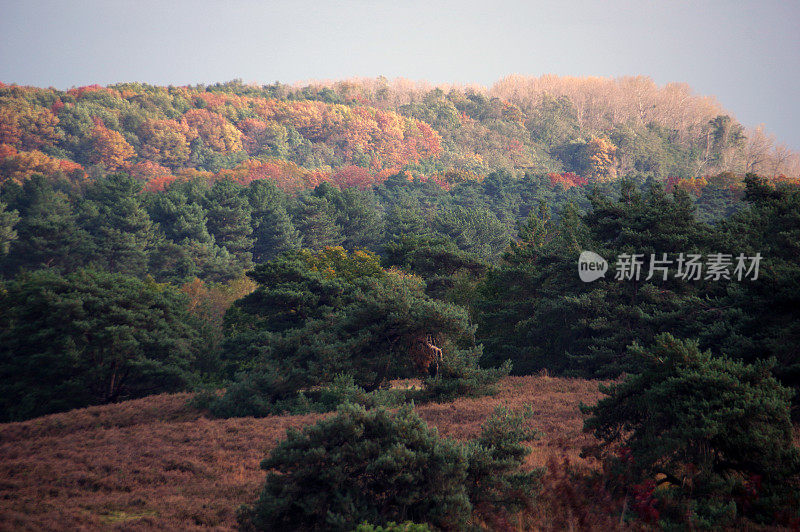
(109, 148)
(215, 132)
(165, 142)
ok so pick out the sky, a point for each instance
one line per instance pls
(745, 53)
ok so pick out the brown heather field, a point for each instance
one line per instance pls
(156, 464)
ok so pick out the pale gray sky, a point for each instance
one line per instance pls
(745, 53)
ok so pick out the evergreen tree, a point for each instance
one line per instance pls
(315, 218)
(364, 466)
(179, 218)
(476, 231)
(229, 218)
(89, 338)
(448, 272)
(536, 311)
(273, 230)
(120, 227)
(48, 234)
(356, 213)
(8, 219)
(376, 466)
(315, 315)
(716, 433)
(760, 319)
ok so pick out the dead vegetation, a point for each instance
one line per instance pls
(155, 463)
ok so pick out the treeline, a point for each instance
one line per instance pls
(357, 133)
(182, 254)
(667, 130)
(504, 249)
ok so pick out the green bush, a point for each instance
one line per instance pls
(246, 398)
(712, 436)
(379, 467)
(90, 338)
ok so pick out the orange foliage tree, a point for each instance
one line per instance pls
(26, 127)
(154, 176)
(567, 180)
(109, 147)
(216, 132)
(166, 142)
(601, 154)
(353, 176)
(20, 166)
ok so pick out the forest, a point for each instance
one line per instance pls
(358, 251)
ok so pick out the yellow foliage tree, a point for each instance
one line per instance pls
(109, 148)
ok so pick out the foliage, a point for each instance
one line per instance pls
(758, 320)
(536, 311)
(712, 433)
(391, 526)
(378, 467)
(89, 338)
(315, 315)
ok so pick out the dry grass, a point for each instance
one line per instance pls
(155, 464)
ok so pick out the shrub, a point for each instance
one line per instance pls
(391, 526)
(90, 338)
(496, 483)
(714, 435)
(250, 396)
(379, 467)
(362, 465)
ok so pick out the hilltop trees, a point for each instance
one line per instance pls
(355, 134)
(109, 148)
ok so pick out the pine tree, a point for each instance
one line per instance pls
(178, 217)
(89, 338)
(316, 315)
(229, 218)
(366, 466)
(273, 230)
(48, 234)
(715, 433)
(375, 466)
(121, 229)
(356, 213)
(759, 319)
(315, 218)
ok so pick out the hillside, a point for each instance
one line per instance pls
(358, 132)
(154, 463)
